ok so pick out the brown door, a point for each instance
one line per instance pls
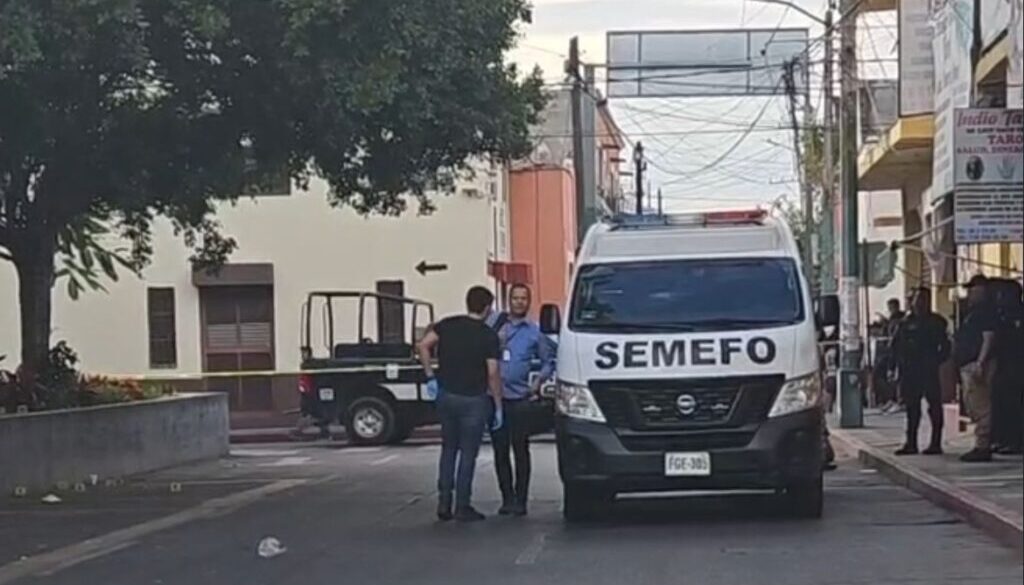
(238, 336)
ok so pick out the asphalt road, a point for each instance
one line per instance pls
(365, 516)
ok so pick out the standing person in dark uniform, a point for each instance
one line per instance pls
(975, 351)
(467, 358)
(920, 346)
(1008, 388)
(886, 388)
(521, 343)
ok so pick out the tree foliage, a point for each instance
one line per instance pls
(114, 112)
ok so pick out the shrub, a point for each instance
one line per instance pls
(61, 385)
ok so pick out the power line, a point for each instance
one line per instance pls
(738, 141)
(673, 132)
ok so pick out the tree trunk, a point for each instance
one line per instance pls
(35, 270)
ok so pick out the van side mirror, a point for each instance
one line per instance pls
(550, 319)
(827, 311)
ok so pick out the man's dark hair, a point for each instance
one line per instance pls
(893, 302)
(478, 299)
(520, 286)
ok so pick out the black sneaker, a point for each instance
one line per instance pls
(444, 511)
(933, 450)
(976, 455)
(507, 508)
(468, 515)
(519, 510)
(907, 450)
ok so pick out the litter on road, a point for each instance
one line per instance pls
(270, 547)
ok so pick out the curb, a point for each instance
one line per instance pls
(1004, 525)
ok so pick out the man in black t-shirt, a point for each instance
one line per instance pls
(975, 353)
(468, 389)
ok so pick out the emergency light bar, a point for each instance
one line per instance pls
(713, 218)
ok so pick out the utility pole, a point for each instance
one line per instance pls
(826, 246)
(661, 210)
(851, 414)
(572, 69)
(788, 73)
(638, 161)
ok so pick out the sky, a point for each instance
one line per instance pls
(699, 151)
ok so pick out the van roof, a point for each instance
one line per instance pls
(700, 235)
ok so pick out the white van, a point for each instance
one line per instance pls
(688, 360)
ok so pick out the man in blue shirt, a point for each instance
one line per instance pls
(522, 345)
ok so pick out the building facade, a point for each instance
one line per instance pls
(543, 202)
(952, 54)
(174, 323)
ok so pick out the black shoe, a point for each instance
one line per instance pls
(519, 509)
(1007, 450)
(976, 455)
(506, 509)
(444, 510)
(933, 450)
(468, 514)
(907, 450)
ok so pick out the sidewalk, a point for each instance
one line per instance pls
(988, 495)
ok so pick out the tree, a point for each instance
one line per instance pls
(114, 112)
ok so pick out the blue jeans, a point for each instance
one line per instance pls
(463, 419)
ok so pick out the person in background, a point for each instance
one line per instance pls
(919, 348)
(521, 343)
(467, 359)
(885, 383)
(975, 351)
(1008, 386)
(310, 412)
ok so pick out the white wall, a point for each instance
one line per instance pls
(875, 205)
(311, 245)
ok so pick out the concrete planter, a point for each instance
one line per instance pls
(39, 450)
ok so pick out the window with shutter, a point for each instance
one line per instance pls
(163, 350)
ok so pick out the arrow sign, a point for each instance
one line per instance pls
(424, 267)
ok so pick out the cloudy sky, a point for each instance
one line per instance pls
(685, 137)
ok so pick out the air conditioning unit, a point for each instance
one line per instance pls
(472, 192)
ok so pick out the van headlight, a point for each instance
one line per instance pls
(797, 394)
(577, 402)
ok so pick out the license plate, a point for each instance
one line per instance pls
(326, 394)
(687, 464)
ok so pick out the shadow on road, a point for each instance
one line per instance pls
(692, 509)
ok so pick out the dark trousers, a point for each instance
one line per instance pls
(513, 439)
(1008, 406)
(463, 419)
(913, 388)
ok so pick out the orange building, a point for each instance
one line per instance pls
(542, 201)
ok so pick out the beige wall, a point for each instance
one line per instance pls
(311, 245)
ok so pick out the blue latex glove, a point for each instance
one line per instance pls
(498, 420)
(433, 389)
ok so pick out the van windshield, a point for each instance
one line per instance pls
(687, 295)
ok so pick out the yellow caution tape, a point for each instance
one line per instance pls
(389, 371)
